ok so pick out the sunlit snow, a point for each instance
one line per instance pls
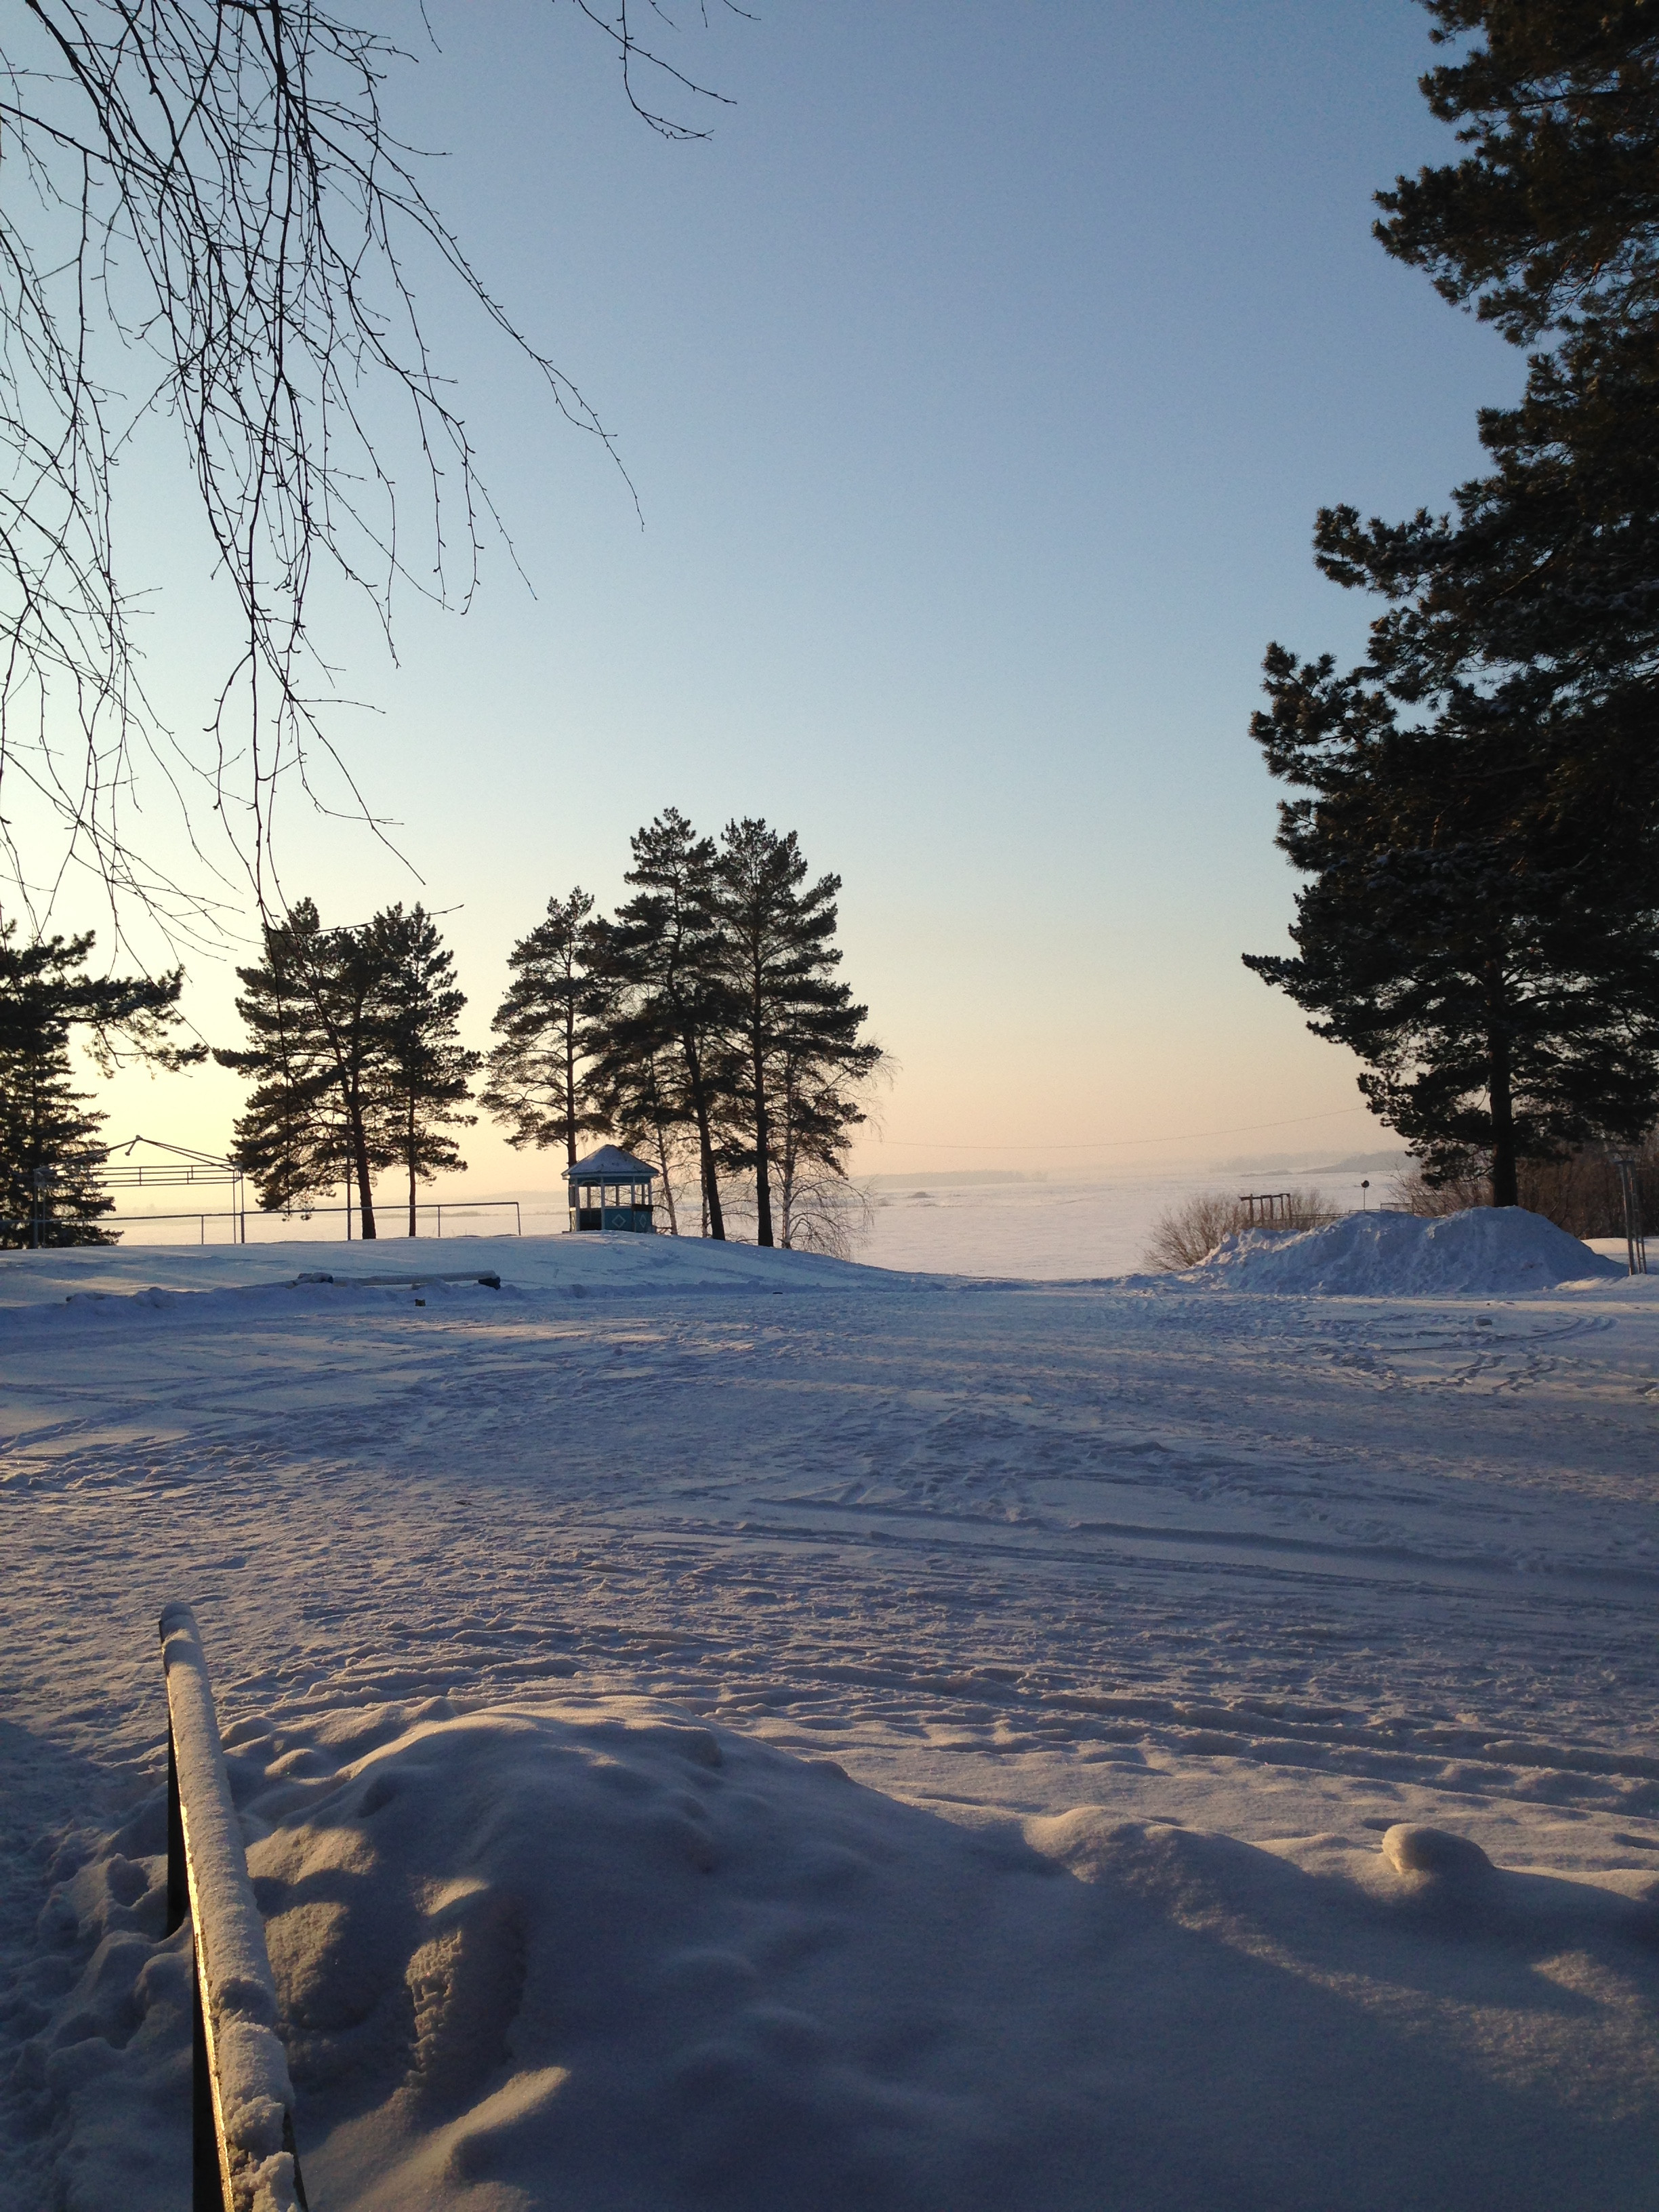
(722, 1728)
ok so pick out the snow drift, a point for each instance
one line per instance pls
(1497, 1250)
(109, 1281)
(595, 1955)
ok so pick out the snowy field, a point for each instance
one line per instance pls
(727, 1729)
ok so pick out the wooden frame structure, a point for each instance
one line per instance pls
(1265, 1209)
(242, 2099)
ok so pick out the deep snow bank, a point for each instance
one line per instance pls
(590, 1266)
(1496, 1249)
(597, 1954)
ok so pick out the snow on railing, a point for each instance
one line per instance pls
(244, 2157)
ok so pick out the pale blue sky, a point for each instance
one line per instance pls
(979, 379)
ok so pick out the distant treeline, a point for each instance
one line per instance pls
(702, 1025)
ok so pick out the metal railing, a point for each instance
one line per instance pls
(389, 1210)
(241, 2098)
(240, 1219)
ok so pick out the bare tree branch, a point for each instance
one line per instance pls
(210, 188)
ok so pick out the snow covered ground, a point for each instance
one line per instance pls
(1152, 1623)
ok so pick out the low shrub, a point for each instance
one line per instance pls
(1188, 1233)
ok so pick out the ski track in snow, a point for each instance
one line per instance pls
(1272, 1565)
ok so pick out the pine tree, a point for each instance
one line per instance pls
(820, 1105)
(661, 959)
(312, 1007)
(1497, 970)
(1554, 212)
(50, 1154)
(638, 1093)
(793, 1027)
(44, 996)
(424, 1073)
(1548, 224)
(537, 1075)
(290, 1136)
(1484, 843)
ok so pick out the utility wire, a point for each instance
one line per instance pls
(1107, 1144)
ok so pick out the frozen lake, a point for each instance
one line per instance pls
(1051, 1230)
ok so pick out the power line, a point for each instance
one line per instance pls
(1109, 1143)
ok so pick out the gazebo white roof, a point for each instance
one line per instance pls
(609, 1165)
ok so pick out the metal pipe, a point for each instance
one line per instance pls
(234, 2038)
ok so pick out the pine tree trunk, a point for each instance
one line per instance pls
(360, 1157)
(711, 1188)
(788, 1163)
(763, 1166)
(410, 1155)
(569, 1089)
(1505, 1182)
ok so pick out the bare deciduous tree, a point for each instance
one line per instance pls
(207, 197)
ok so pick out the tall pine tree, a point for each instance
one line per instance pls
(791, 1024)
(51, 1153)
(423, 1074)
(51, 1156)
(661, 958)
(537, 1076)
(1554, 212)
(1484, 840)
(1547, 226)
(1497, 971)
(313, 1009)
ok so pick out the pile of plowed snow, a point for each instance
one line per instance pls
(1497, 1249)
(599, 1955)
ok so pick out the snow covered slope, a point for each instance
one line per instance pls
(573, 1265)
(1141, 1613)
(1488, 1249)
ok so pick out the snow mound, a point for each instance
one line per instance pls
(1495, 1250)
(110, 1283)
(597, 1954)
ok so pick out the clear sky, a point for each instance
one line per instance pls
(978, 377)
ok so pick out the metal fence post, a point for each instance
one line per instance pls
(1630, 1191)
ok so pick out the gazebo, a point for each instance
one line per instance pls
(611, 1189)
